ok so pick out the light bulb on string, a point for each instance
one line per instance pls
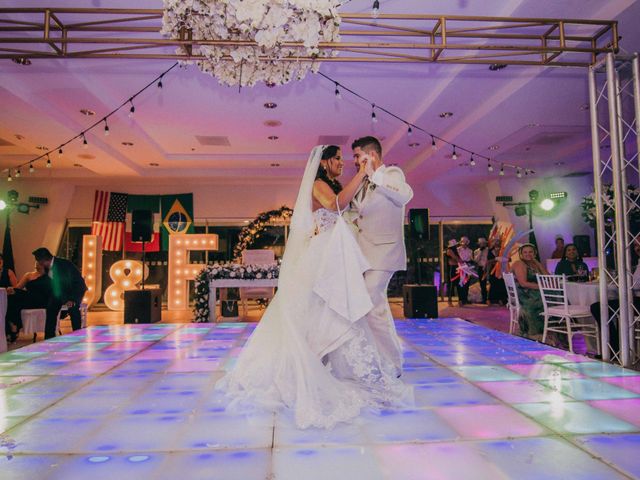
(160, 82)
(472, 162)
(409, 131)
(85, 144)
(518, 173)
(48, 161)
(9, 178)
(375, 10)
(454, 155)
(433, 143)
(132, 109)
(60, 151)
(31, 169)
(374, 118)
(489, 166)
(18, 173)
(337, 92)
(502, 171)
(106, 128)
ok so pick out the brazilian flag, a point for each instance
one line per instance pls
(177, 215)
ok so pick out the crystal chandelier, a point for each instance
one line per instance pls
(250, 41)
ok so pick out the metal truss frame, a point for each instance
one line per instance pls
(614, 95)
(392, 38)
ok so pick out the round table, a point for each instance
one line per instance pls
(586, 293)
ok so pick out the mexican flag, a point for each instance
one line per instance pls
(177, 215)
(143, 202)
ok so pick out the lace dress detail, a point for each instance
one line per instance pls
(323, 220)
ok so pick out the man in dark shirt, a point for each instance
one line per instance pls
(67, 287)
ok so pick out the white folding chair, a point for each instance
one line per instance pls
(34, 320)
(559, 316)
(256, 257)
(83, 316)
(513, 303)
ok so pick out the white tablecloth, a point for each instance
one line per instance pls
(3, 313)
(230, 283)
(586, 293)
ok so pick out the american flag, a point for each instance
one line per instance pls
(109, 214)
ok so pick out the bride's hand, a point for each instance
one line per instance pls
(362, 165)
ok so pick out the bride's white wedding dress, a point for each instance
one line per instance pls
(312, 351)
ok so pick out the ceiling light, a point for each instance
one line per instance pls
(272, 123)
(127, 144)
(584, 106)
(42, 147)
(446, 114)
(275, 164)
(494, 147)
(19, 137)
(154, 164)
(87, 112)
(21, 61)
(273, 137)
(270, 105)
(77, 165)
(414, 144)
(547, 204)
(31, 169)
(497, 66)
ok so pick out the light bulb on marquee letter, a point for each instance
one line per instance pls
(126, 274)
(181, 271)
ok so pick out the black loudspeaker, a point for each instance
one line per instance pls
(583, 243)
(419, 223)
(141, 225)
(142, 306)
(229, 308)
(420, 301)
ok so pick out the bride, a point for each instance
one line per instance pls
(312, 351)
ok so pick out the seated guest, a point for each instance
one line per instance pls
(559, 251)
(614, 304)
(452, 259)
(525, 270)
(497, 288)
(7, 277)
(67, 288)
(572, 265)
(32, 291)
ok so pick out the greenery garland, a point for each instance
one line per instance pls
(249, 234)
(588, 206)
(226, 271)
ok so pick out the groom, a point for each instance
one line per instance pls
(377, 212)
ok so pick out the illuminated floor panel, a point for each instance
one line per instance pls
(139, 402)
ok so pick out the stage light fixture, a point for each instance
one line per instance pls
(558, 195)
(534, 195)
(520, 210)
(504, 198)
(23, 208)
(547, 204)
(3, 204)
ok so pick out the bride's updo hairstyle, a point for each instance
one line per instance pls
(329, 151)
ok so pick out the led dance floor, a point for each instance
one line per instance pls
(122, 402)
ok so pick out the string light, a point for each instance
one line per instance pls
(454, 155)
(490, 167)
(160, 82)
(60, 151)
(132, 109)
(106, 128)
(409, 131)
(375, 10)
(472, 162)
(518, 173)
(433, 143)
(85, 144)
(31, 169)
(9, 178)
(18, 173)
(374, 119)
(501, 171)
(337, 92)
(48, 161)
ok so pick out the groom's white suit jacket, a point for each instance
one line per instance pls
(377, 213)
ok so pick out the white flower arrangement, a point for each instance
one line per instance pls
(272, 24)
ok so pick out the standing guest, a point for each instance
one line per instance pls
(572, 265)
(67, 288)
(497, 289)
(525, 270)
(32, 291)
(452, 258)
(481, 257)
(466, 257)
(559, 251)
(7, 277)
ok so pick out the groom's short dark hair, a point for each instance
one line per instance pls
(368, 144)
(42, 254)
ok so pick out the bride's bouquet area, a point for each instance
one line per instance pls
(231, 271)
(251, 41)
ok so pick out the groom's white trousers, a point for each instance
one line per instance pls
(380, 319)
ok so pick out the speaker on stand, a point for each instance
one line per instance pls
(418, 233)
(420, 301)
(141, 231)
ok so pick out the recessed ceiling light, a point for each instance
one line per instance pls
(19, 137)
(497, 66)
(21, 61)
(272, 123)
(77, 165)
(527, 149)
(494, 147)
(87, 112)
(414, 144)
(270, 105)
(193, 149)
(275, 164)
(559, 164)
(127, 144)
(42, 147)
(446, 114)
(584, 106)
(273, 137)
(270, 84)
(154, 164)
